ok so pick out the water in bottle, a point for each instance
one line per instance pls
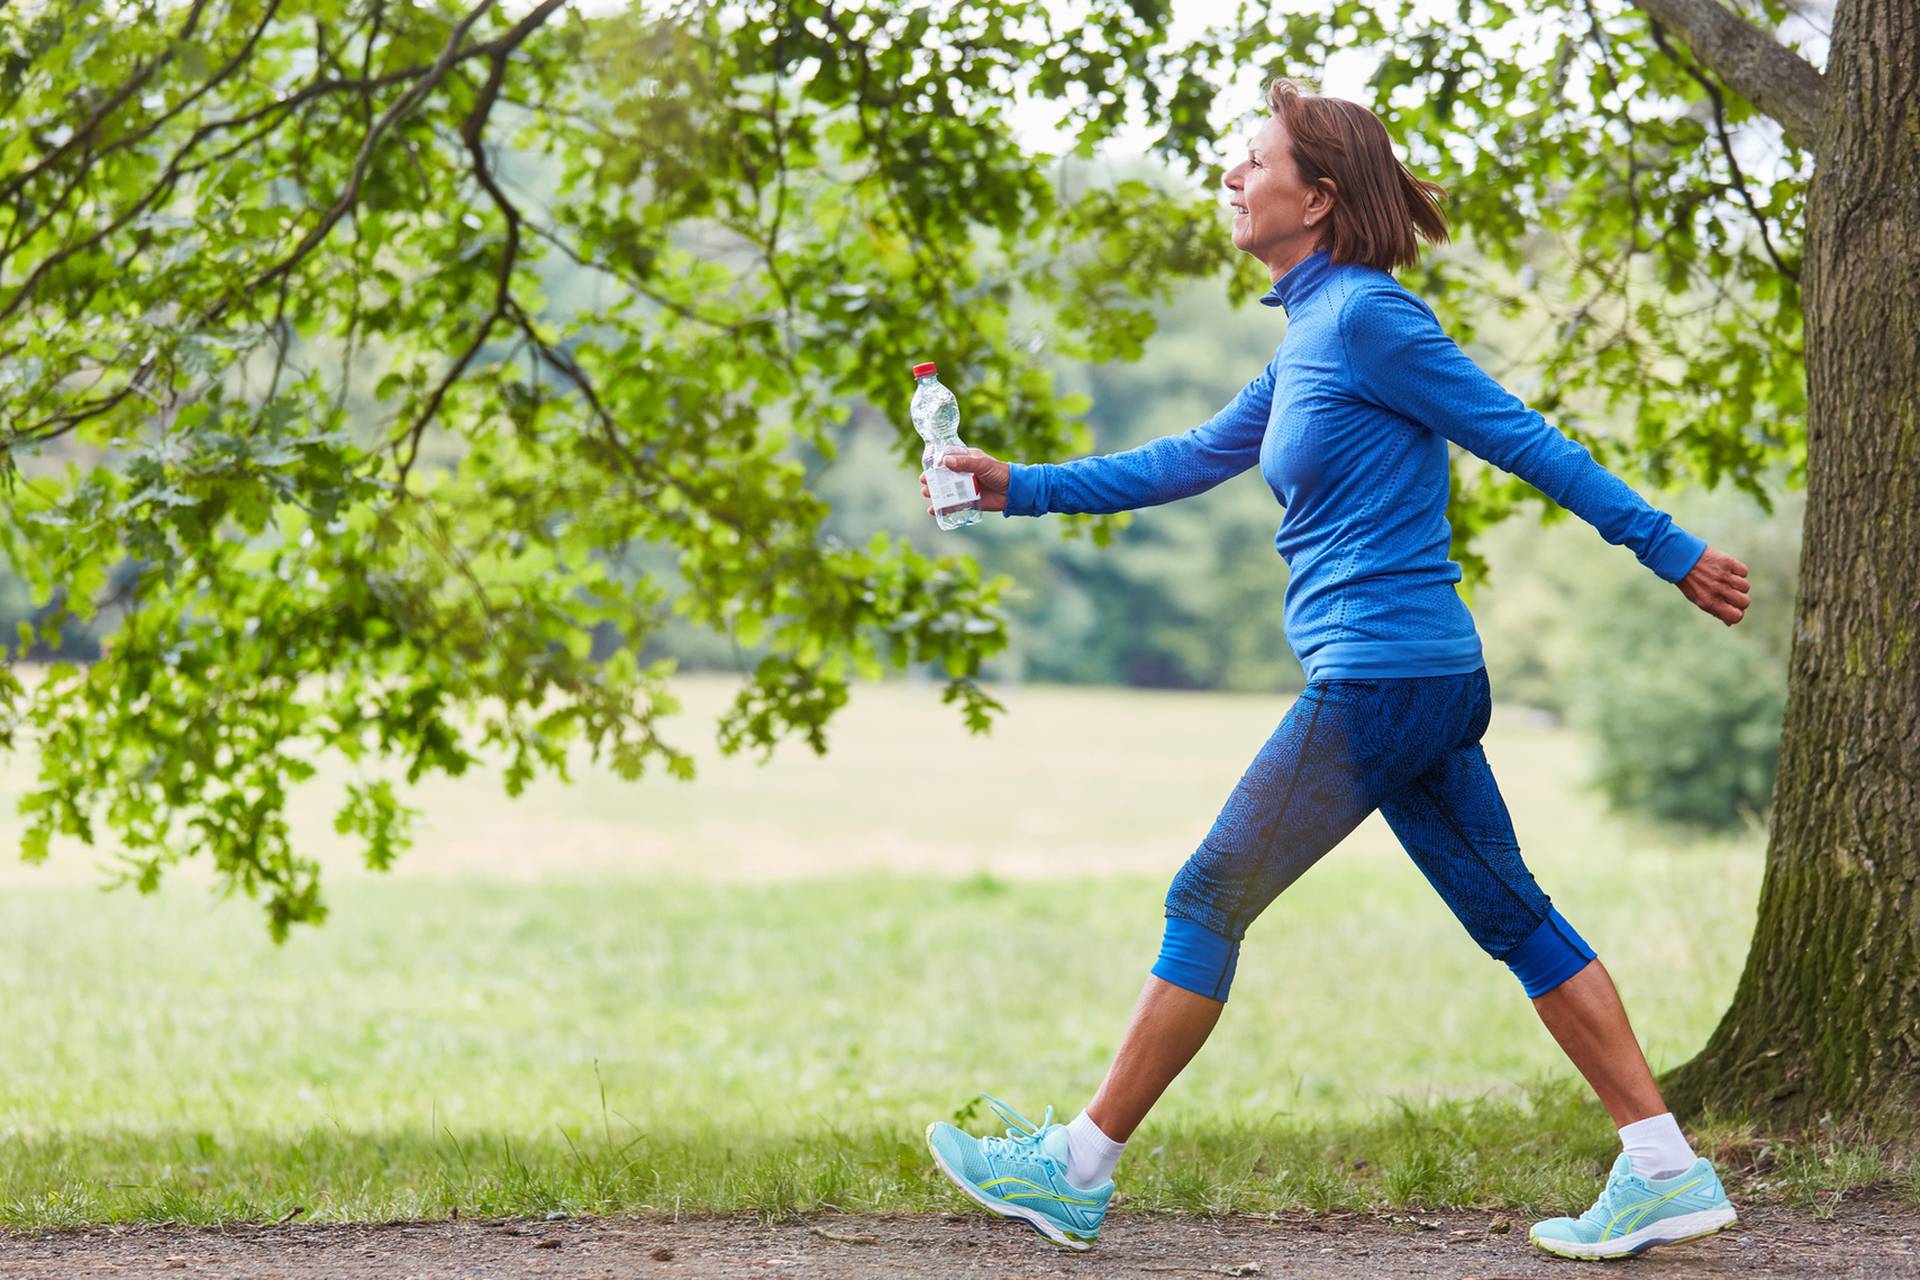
(936, 416)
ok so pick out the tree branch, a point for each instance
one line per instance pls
(84, 134)
(350, 197)
(428, 78)
(1726, 144)
(473, 133)
(1756, 66)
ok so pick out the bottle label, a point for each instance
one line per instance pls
(949, 489)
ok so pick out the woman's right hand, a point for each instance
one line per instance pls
(1718, 584)
(990, 476)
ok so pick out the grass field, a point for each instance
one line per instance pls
(754, 991)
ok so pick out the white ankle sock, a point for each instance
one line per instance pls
(1091, 1153)
(1656, 1146)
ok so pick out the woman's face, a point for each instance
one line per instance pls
(1276, 218)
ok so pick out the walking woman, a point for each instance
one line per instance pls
(1349, 424)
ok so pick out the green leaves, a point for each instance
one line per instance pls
(352, 354)
(374, 813)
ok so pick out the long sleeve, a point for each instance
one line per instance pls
(1400, 358)
(1162, 470)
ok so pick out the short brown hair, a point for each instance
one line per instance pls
(1378, 206)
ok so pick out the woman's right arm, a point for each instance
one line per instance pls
(1163, 470)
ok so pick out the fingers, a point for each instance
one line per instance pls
(1719, 585)
(969, 460)
(1736, 591)
(1727, 605)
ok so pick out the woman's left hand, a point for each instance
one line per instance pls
(1718, 584)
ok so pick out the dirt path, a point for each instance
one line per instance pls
(1872, 1237)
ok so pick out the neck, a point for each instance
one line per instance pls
(1289, 257)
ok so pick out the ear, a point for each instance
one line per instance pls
(1320, 200)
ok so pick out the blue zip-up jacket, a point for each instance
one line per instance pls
(1349, 423)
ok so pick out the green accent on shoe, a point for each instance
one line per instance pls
(1634, 1214)
(1032, 1158)
(1038, 1193)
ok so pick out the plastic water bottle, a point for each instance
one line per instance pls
(936, 416)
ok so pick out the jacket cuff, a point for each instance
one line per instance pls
(1026, 489)
(1676, 555)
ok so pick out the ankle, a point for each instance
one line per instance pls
(1655, 1147)
(1091, 1154)
(1112, 1126)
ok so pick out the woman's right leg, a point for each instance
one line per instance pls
(1341, 747)
(1168, 1026)
(1187, 991)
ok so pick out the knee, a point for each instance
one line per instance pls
(1201, 945)
(1550, 955)
(1204, 888)
(1196, 958)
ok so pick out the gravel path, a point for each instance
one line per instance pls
(1876, 1236)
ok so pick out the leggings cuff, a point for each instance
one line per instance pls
(1196, 958)
(1551, 954)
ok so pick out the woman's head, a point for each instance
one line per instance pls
(1321, 174)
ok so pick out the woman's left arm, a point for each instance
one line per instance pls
(1400, 358)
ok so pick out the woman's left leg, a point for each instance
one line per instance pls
(1456, 828)
(1586, 1017)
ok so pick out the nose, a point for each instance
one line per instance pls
(1234, 179)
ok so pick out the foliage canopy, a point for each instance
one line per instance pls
(287, 391)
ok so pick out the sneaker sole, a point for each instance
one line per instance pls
(1675, 1230)
(1019, 1213)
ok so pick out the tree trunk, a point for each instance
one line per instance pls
(1826, 1019)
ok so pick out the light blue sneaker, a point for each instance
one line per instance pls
(1634, 1214)
(1023, 1175)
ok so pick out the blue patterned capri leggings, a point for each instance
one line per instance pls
(1409, 747)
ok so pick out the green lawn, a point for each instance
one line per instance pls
(756, 990)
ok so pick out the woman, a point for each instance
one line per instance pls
(1349, 424)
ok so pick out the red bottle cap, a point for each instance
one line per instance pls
(922, 370)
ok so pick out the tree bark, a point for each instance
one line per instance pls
(1826, 1017)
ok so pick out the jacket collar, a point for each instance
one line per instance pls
(1301, 281)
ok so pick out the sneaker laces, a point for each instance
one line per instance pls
(1604, 1210)
(1023, 1135)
